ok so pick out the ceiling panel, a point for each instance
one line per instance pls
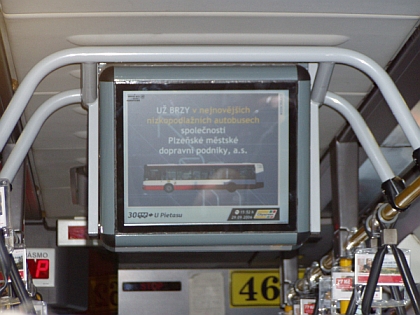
(377, 37)
(387, 7)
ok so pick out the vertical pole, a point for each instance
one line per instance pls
(17, 195)
(289, 274)
(318, 93)
(345, 190)
(90, 102)
(93, 168)
(89, 83)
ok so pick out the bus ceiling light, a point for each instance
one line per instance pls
(208, 39)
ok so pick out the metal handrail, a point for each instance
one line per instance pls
(187, 54)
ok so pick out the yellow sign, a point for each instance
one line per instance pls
(254, 288)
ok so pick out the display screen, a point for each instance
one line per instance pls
(212, 156)
(39, 268)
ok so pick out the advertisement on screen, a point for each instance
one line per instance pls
(216, 150)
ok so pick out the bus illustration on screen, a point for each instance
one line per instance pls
(229, 176)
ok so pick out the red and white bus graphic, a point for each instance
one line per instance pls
(229, 176)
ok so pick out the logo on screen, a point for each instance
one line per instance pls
(253, 214)
(266, 214)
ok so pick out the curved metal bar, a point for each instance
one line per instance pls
(373, 280)
(404, 199)
(32, 129)
(407, 277)
(363, 133)
(210, 54)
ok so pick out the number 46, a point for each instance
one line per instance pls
(269, 290)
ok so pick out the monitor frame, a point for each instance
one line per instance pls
(118, 236)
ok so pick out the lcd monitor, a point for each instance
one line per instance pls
(204, 156)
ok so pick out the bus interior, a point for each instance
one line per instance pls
(362, 60)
